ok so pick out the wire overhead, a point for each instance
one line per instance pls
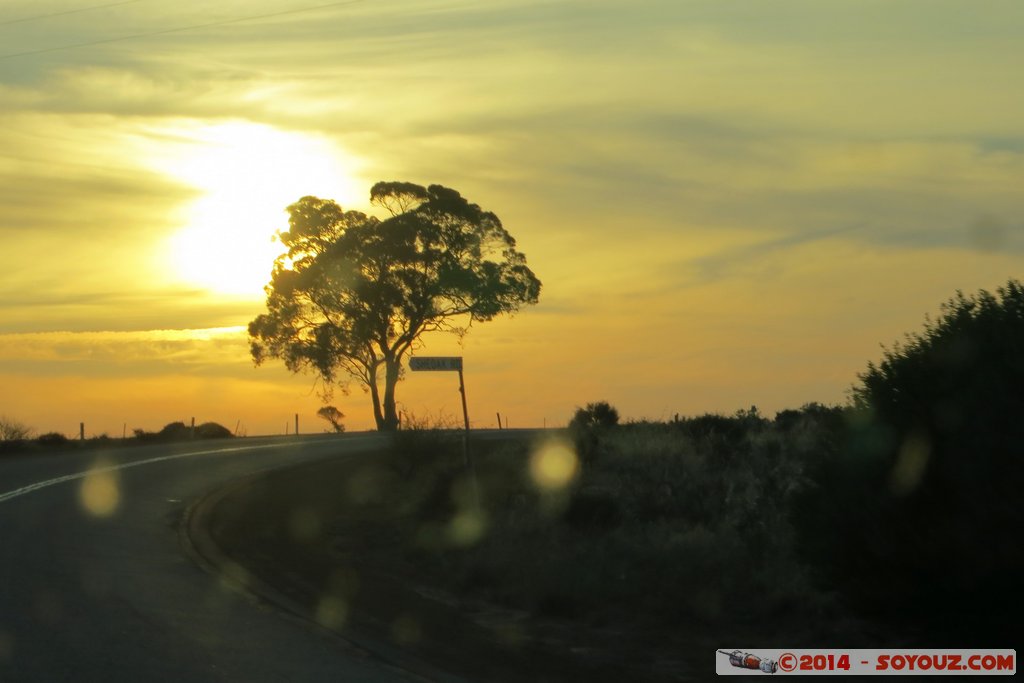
(39, 17)
(179, 29)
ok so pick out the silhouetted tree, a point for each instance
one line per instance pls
(12, 430)
(353, 294)
(599, 414)
(333, 416)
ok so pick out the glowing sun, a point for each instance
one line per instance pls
(246, 175)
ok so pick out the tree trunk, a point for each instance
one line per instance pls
(391, 370)
(375, 397)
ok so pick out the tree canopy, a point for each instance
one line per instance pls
(352, 294)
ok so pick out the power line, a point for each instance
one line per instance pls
(38, 17)
(179, 29)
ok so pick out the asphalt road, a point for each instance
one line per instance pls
(94, 585)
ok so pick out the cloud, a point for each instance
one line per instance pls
(53, 308)
(210, 352)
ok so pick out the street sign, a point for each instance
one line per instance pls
(451, 363)
(436, 363)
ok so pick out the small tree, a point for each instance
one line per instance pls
(333, 416)
(352, 295)
(12, 430)
(600, 414)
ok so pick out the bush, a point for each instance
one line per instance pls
(13, 430)
(421, 442)
(52, 439)
(179, 431)
(174, 431)
(924, 498)
(659, 528)
(212, 430)
(832, 418)
(600, 414)
(143, 435)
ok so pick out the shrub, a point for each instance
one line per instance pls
(420, 442)
(212, 430)
(727, 428)
(143, 435)
(659, 527)
(924, 497)
(52, 439)
(179, 431)
(13, 430)
(831, 418)
(174, 431)
(600, 414)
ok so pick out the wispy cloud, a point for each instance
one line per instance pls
(212, 352)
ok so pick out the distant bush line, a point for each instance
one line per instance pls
(55, 441)
(179, 431)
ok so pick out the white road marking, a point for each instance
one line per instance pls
(4, 497)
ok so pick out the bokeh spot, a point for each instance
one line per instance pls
(554, 464)
(100, 492)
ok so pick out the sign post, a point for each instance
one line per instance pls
(441, 364)
(451, 363)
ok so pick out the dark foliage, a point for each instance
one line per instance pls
(179, 431)
(832, 418)
(599, 414)
(921, 510)
(212, 430)
(52, 439)
(174, 431)
(592, 510)
(726, 428)
(658, 527)
(12, 446)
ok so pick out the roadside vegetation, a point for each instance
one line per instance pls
(873, 521)
(16, 437)
(918, 514)
(13, 430)
(655, 528)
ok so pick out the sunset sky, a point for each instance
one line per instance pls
(729, 203)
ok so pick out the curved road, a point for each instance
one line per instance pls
(94, 584)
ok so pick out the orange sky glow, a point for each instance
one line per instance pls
(728, 204)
